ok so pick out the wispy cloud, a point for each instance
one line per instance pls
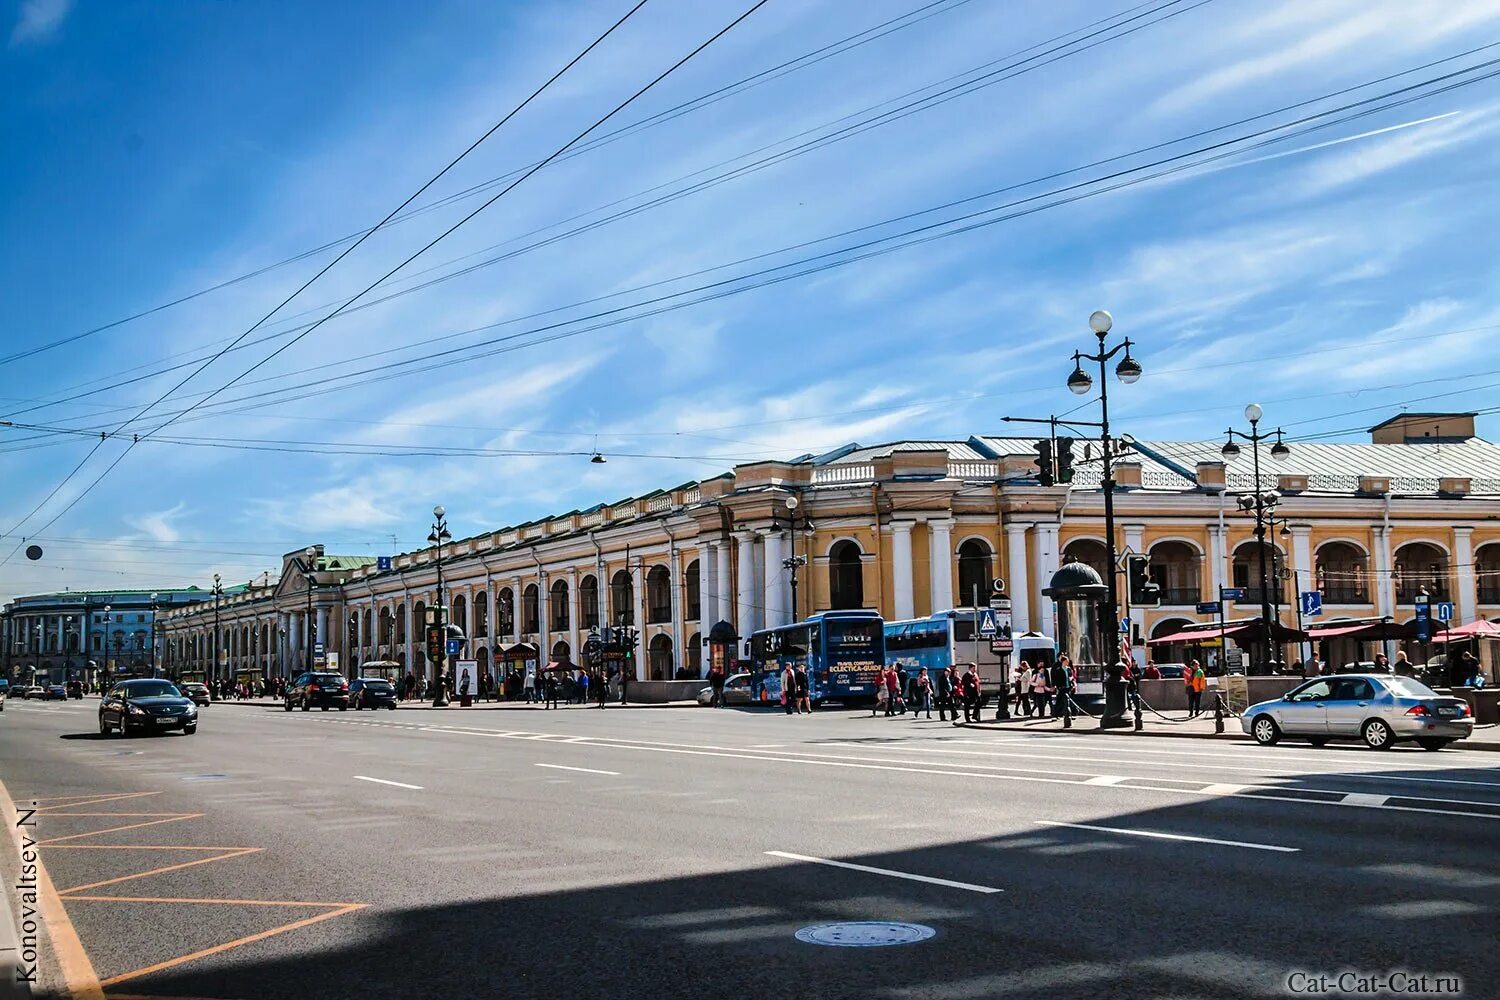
(39, 21)
(158, 525)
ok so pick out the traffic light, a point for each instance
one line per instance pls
(1144, 592)
(437, 643)
(1065, 460)
(1044, 462)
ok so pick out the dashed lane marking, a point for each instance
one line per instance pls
(909, 876)
(1158, 835)
(385, 781)
(586, 770)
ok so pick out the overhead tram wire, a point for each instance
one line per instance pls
(990, 78)
(835, 48)
(426, 343)
(324, 270)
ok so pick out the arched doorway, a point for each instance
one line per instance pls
(974, 573)
(660, 656)
(690, 589)
(846, 576)
(561, 653)
(693, 654)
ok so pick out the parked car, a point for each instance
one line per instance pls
(1172, 671)
(321, 688)
(371, 693)
(54, 692)
(146, 704)
(195, 692)
(736, 691)
(1379, 709)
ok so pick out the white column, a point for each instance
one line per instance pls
(744, 604)
(543, 599)
(758, 566)
(674, 590)
(708, 586)
(905, 598)
(1303, 574)
(638, 578)
(1385, 591)
(940, 563)
(726, 585)
(516, 603)
(1467, 598)
(322, 635)
(775, 600)
(1218, 559)
(1046, 565)
(575, 631)
(1135, 541)
(1018, 586)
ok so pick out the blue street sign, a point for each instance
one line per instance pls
(1445, 611)
(987, 624)
(382, 563)
(455, 646)
(318, 649)
(1208, 608)
(1232, 593)
(1312, 603)
(1125, 625)
(1424, 620)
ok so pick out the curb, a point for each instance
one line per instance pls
(1225, 737)
(11, 960)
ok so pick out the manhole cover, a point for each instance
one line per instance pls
(865, 934)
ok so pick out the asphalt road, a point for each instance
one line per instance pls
(629, 853)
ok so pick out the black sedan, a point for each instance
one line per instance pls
(372, 693)
(146, 705)
(197, 693)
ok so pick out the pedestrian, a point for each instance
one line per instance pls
(903, 687)
(923, 699)
(789, 689)
(1197, 683)
(892, 691)
(942, 686)
(1187, 686)
(1403, 666)
(716, 684)
(1382, 664)
(600, 687)
(1021, 689)
(804, 690)
(880, 695)
(1153, 672)
(624, 685)
(583, 687)
(550, 682)
(1061, 684)
(1311, 669)
(971, 693)
(1040, 689)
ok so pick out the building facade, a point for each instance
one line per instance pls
(908, 529)
(57, 637)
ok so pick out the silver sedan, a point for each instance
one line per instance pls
(1378, 709)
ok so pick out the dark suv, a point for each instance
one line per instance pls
(321, 688)
(372, 692)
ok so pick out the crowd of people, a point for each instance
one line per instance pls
(563, 684)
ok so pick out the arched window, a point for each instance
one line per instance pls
(369, 636)
(1173, 567)
(658, 596)
(846, 576)
(1487, 573)
(530, 613)
(974, 576)
(1247, 573)
(352, 641)
(418, 622)
(1342, 574)
(400, 624)
(461, 613)
(693, 653)
(588, 601)
(1088, 551)
(557, 606)
(482, 614)
(561, 652)
(387, 626)
(622, 598)
(505, 611)
(690, 588)
(1420, 568)
(661, 657)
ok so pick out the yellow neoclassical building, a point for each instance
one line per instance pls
(907, 528)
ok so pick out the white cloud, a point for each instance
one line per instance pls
(158, 526)
(1394, 150)
(39, 21)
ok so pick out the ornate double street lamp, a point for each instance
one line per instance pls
(1262, 505)
(309, 568)
(437, 651)
(153, 633)
(794, 562)
(1081, 383)
(213, 671)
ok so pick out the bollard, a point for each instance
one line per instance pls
(1219, 714)
(1137, 714)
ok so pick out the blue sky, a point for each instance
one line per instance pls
(153, 150)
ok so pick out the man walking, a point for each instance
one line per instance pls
(971, 693)
(1061, 684)
(1197, 682)
(942, 685)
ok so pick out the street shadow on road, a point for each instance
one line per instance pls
(1083, 912)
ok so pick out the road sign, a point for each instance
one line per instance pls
(331, 661)
(1208, 608)
(455, 646)
(1445, 611)
(1312, 603)
(1422, 599)
(1232, 593)
(1125, 625)
(1000, 618)
(1424, 621)
(987, 624)
(318, 649)
(382, 563)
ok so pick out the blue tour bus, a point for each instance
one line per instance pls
(952, 636)
(842, 650)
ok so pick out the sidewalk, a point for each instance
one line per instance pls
(1201, 728)
(408, 706)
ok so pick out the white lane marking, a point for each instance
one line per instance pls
(585, 770)
(383, 781)
(971, 887)
(1224, 789)
(1157, 835)
(1105, 779)
(1364, 799)
(766, 746)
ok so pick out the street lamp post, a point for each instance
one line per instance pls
(309, 568)
(213, 670)
(437, 536)
(794, 562)
(153, 634)
(1262, 504)
(104, 643)
(1127, 371)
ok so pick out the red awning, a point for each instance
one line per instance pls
(1479, 628)
(1199, 635)
(1366, 630)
